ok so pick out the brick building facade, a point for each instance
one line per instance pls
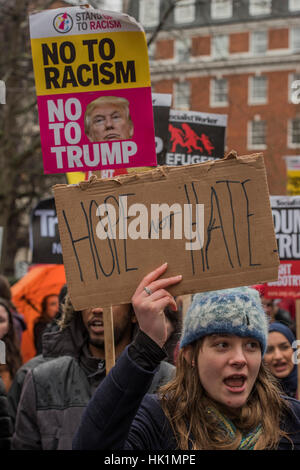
(234, 57)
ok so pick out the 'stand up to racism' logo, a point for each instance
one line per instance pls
(63, 23)
(187, 138)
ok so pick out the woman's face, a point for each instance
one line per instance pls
(279, 355)
(228, 367)
(4, 321)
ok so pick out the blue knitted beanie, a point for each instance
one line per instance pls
(231, 311)
(284, 330)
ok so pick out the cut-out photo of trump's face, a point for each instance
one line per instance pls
(108, 118)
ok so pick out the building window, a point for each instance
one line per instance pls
(219, 92)
(152, 50)
(258, 90)
(185, 11)
(182, 94)
(149, 13)
(221, 9)
(220, 46)
(182, 49)
(294, 5)
(294, 133)
(259, 42)
(295, 39)
(260, 7)
(293, 86)
(257, 134)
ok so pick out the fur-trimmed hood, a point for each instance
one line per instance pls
(67, 336)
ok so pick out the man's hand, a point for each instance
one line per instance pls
(149, 306)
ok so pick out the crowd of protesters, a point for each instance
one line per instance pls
(222, 377)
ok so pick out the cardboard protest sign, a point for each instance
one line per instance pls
(293, 175)
(286, 216)
(195, 137)
(93, 90)
(115, 231)
(44, 236)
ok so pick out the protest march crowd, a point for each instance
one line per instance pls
(218, 372)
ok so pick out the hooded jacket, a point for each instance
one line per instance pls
(58, 389)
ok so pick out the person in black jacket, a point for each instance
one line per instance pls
(49, 310)
(5, 423)
(222, 397)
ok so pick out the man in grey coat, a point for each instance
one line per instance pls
(56, 392)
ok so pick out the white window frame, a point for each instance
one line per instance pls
(215, 49)
(291, 144)
(292, 78)
(294, 5)
(221, 9)
(260, 7)
(146, 6)
(254, 44)
(252, 145)
(293, 39)
(253, 95)
(185, 12)
(213, 93)
(182, 49)
(182, 97)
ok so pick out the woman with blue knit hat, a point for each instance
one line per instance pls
(222, 396)
(279, 357)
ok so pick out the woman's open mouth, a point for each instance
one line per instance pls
(235, 383)
(281, 367)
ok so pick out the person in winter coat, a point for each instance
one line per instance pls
(222, 396)
(5, 424)
(15, 390)
(56, 392)
(49, 310)
(279, 357)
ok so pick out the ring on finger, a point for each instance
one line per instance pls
(149, 292)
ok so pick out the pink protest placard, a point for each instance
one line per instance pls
(93, 90)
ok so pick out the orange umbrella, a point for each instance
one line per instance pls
(27, 295)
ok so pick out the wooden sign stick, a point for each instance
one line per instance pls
(186, 302)
(298, 337)
(109, 342)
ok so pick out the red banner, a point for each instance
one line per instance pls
(288, 283)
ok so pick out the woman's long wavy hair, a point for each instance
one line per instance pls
(185, 403)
